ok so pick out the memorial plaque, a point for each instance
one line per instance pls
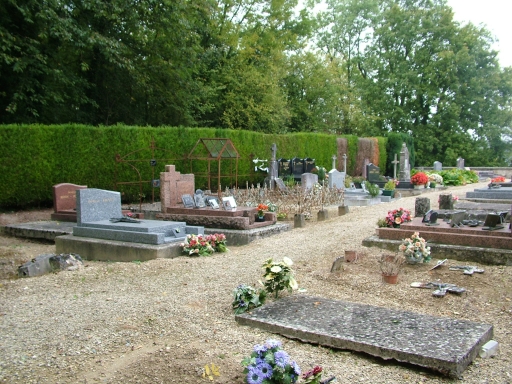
(199, 201)
(155, 183)
(188, 201)
(212, 202)
(229, 203)
(64, 196)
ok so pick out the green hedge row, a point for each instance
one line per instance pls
(36, 157)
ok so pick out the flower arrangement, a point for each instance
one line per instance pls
(419, 178)
(261, 209)
(313, 376)
(435, 178)
(246, 298)
(268, 364)
(391, 185)
(397, 216)
(415, 249)
(278, 276)
(499, 179)
(198, 245)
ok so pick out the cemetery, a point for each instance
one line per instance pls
(344, 308)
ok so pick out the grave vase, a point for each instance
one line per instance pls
(260, 218)
(385, 192)
(390, 279)
(415, 258)
(419, 186)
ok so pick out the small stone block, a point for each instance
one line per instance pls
(322, 215)
(299, 221)
(337, 265)
(342, 210)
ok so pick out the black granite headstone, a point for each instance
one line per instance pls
(372, 173)
(284, 168)
(297, 167)
(309, 165)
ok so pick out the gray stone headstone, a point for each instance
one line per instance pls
(97, 204)
(336, 179)
(438, 166)
(373, 173)
(280, 184)
(460, 163)
(308, 180)
(422, 206)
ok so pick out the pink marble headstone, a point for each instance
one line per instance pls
(173, 185)
(64, 196)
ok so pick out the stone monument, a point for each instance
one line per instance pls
(405, 171)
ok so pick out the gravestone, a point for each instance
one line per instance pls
(373, 173)
(446, 201)
(405, 171)
(460, 163)
(64, 201)
(284, 168)
(395, 163)
(99, 216)
(199, 200)
(308, 180)
(297, 167)
(173, 185)
(438, 166)
(309, 165)
(336, 179)
(421, 206)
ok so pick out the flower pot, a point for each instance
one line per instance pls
(388, 193)
(413, 259)
(420, 186)
(350, 256)
(390, 279)
(260, 219)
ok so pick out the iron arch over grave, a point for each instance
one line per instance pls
(215, 149)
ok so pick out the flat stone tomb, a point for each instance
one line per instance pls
(443, 344)
(491, 193)
(96, 208)
(445, 234)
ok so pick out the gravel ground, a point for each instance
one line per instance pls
(162, 321)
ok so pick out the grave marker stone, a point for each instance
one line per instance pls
(308, 180)
(438, 166)
(365, 165)
(297, 167)
(422, 206)
(188, 201)
(64, 196)
(280, 184)
(173, 185)
(333, 161)
(97, 204)
(336, 179)
(345, 163)
(395, 163)
(309, 165)
(373, 173)
(284, 168)
(460, 163)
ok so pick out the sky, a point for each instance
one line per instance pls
(495, 14)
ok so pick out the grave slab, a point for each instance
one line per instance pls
(443, 344)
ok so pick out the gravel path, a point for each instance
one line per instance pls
(162, 321)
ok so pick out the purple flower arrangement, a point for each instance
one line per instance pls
(269, 364)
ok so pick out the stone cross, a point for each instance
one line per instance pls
(333, 161)
(405, 172)
(345, 163)
(273, 148)
(395, 163)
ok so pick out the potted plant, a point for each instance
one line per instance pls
(389, 188)
(419, 179)
(415, 249)
(390, 266)
(358, 180)
(261, 212)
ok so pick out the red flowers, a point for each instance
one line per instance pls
(419, 178)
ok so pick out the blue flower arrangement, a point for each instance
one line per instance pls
(269, 364)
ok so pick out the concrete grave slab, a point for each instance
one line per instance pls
(443, 344)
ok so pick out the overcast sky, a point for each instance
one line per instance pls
(496, 15)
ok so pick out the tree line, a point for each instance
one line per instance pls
(360, 67)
